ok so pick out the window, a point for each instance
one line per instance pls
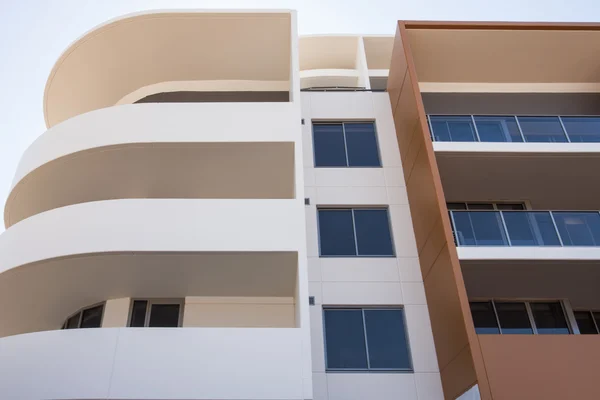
(486, 206)
(345, 144)
(366, 339)
(90, 317)
(355, 232)
(588, 322)
(519, 317)
(155, 313)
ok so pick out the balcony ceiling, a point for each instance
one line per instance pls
(506, 56)
(549, 182)
(132, 52)
(328, 52)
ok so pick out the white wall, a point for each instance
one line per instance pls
(239, 312)
(366, 281)
(158, 363)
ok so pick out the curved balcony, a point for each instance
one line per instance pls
(131, 52)
(159, 151)
(158, 363)
(58, 261)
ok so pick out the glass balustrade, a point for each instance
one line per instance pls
(526, 228)
(510, 128)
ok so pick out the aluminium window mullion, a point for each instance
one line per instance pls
(362, 310)
(531, 319)
(475, 128)
(79, 320)
(556, 229)
(355, 236)
(497, 317)
(569, 316)
(345, 144)
(594, 321)
(564, 129)
(505, 228)
(147, 314)
(430, 128)
(520, 129)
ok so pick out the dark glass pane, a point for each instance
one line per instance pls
(480, 206)
(578, 228)
(498, 129)
(513, 318)
(533, 228)
(345, 339)
(138, 313)
(585, 322)
(542, 129)
(330, 150)
(373, 233)
(386, 339)
(336, 233)
(549, 319)
(453, 129)
(361, 143)
(456, 206)
(164, 316)
(479, 228)
(92, 317)
(510, 206)
(582, 129)
(73, 322)
(484, 318)
(597, 318)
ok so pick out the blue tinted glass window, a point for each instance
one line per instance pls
(582, 129)
(479, 228)
(361, 143)
(542, 129)
(330, 150)
(513, 318)
(484, 318)
(452, 128)
(578, 228)
(386, 339)
(373, 234)
(498, 129)
(345, 339)
(336, 233)
(530, 228)
(549, 319)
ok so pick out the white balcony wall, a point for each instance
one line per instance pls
(162, 123)
(158, 363)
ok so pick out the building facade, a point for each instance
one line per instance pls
(248, 214)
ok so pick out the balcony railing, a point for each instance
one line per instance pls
(532, 129)
(526, 228)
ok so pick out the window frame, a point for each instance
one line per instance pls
(591, 313)
(149, 303)
(356, 255)
(366, 338)
(80, 312)
(525, 203)
(343, 123)
(567, 313)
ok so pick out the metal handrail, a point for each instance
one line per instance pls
(505, 232)
(477, 139)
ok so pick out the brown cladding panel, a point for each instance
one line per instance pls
(455, 339)
(549, 367)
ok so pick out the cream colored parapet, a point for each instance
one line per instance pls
(133, 52)
(343, 60)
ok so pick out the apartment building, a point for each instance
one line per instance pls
(221, 209)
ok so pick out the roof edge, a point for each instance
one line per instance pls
(503, 25)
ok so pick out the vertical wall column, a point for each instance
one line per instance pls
(458, 352)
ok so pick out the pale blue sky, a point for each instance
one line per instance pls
(33, 33)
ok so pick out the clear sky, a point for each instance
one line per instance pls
(33, 33)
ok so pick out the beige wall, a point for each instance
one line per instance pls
(239, 312)
(116, 313)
